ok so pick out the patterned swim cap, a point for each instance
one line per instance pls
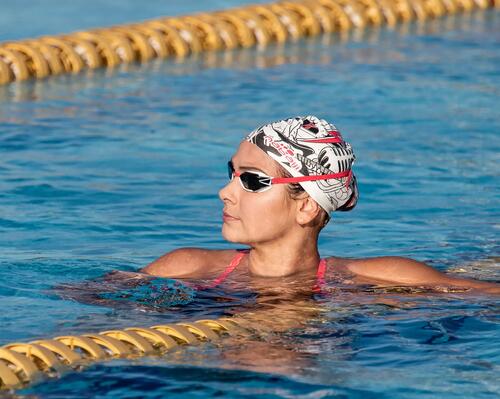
(309, 146)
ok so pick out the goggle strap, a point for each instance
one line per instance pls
(300, 179)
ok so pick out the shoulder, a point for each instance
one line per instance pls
(394, 269)
(189, 262)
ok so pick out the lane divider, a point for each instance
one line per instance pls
(242, 27)
(25, 363)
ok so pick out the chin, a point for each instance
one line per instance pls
(232, 235)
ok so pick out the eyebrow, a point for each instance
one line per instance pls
(249, 167)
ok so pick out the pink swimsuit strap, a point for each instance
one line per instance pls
(234, 262)
(320, 274)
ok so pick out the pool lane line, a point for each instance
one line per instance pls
(22, 364)
(241, 27)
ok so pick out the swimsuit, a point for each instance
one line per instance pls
(320, 274)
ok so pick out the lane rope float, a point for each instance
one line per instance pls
(240, 27)
(25, 363)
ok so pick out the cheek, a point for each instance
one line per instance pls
(269, 205)
(266, 215)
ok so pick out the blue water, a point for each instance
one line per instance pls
(110, 169)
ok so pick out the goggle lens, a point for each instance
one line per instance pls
(254, 182)
(250, 181)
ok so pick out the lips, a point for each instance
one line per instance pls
(227, 217)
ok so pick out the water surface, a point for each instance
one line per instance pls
(110, 169)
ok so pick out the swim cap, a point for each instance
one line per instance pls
(309, 146)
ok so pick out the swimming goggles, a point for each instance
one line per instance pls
(257, 182)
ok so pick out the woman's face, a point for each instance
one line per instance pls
(252, 218)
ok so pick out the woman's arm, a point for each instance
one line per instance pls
(399, 270)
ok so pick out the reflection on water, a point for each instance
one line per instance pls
(484, 269)
(287, 325)
(305, 51)
(342, 340)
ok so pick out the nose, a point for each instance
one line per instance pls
(227, 194)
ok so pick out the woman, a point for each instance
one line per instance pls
(286, 178)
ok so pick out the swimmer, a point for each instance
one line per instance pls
(285, 180)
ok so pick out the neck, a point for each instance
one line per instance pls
(284, 258)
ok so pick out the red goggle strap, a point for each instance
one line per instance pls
(310, 178)
(286, 180)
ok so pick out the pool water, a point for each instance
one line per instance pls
(108, 170)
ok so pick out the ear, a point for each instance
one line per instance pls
(307, 210)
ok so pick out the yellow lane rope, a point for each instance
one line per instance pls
(24, 363)
(246, 26)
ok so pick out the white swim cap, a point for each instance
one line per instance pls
(309, 146)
